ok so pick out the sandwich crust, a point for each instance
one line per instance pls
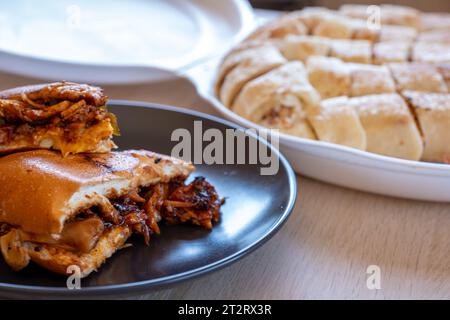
(40, 190)
(65, 116)
(58, 260)
(59, 91)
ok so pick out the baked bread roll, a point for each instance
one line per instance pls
(313, 16)
(331, 24)
(431, 52)
(391, 51)
(389, 14)
(389, 126)
(418, 77)
(242, 66)
(361, 31)
(334, 27)
(279, 28)
(369, 79)
(302, 47)
(329, 76)
(336, 121)
(433, 113)
(435, 21)
(279, 99)
(438, 35)
(397, 33)
(359, 51)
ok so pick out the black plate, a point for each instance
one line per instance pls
(255, 209)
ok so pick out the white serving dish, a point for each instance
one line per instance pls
(114, 41)
(342, 165)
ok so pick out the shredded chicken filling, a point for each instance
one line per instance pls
(280, 115)
(176, 203)
(19, 118)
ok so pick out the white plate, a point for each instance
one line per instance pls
(341, 165)
(116, 41)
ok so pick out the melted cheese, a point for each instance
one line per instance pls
(90, 140)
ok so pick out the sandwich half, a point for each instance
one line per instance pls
(78, 210)
(64, 116)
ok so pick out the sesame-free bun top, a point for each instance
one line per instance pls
(57, 91)
(40, 190)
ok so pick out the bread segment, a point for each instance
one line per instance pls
(280, 28)
(418, 77)
(389, 126)
(389, 14)
(330, 76)
(435, 21)
(397, 33)
(391, 51)
(279, 99)
(433, 113)
(359, 51)
(242, 66)
(303, 47)
(431, 52)
(439, 36)
(335, 120)
(334, 26)
(369, 79)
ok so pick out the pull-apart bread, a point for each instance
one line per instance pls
(382, 88)
(64, 116)
(78, 210)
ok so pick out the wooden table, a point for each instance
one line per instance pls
(324, 249)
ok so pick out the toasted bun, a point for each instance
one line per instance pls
(58, 91)
(59, 260)
(40, 190)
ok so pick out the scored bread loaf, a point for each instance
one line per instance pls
(359, 73)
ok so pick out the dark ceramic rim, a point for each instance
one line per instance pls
(147, 285)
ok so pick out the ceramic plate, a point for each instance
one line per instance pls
(110, 41)
(256, 207)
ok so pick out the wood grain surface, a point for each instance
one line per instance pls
(332, 237)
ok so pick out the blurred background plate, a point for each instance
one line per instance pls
(113, 41)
